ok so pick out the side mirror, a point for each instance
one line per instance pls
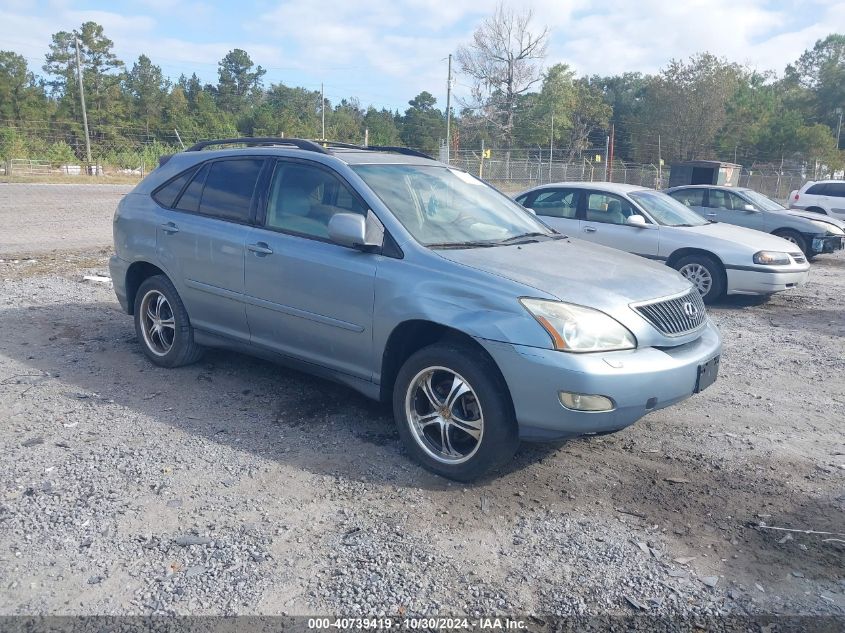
(356, 231)
(530, 210)
(749, 207)
(636, 220)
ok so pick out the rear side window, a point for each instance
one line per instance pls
(229, 187)
(836, 189)
(166, 195)
(817, 189)
(689, 197)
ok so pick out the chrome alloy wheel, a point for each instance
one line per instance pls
(157, 323)
(444, 415)
(790, 238)
(699, 276)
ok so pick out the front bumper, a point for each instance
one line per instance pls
(827, 244)
(749, 281)
(637, 381)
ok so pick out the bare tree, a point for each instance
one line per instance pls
(503, 61)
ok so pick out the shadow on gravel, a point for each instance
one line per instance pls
(246, 402)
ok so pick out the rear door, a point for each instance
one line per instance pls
(308, 297)
(603, 221)
(200, 241)
(558, 207)
(694, 198)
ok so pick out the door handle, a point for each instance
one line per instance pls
(590, 229)
(169, 228)
(260, 249)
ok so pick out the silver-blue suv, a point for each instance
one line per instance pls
(413, 283)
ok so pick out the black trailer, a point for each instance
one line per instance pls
(704, 172)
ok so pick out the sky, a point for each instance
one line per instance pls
(386, 51)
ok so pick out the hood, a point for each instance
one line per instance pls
(576, 271)
(809, 215)
(752, 239)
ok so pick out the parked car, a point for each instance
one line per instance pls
(825, 196)
(718, 258)
(745, 207)
(411, 282)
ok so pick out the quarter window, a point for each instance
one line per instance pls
(190, 198)
(303, 199)
(229, 187)
(167, 194)
(836, 189)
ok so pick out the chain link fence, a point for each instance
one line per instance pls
(38, 151)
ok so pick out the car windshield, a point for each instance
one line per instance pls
(666, 210)
(443, 207)
(762, 202)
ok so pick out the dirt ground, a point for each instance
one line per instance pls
(237, 486)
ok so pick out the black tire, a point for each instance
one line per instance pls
(498, 438)
(793, 236)
(715, 270)
(182, 349)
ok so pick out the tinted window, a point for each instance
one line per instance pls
(689, 197)
(603, 207)
(229, 187)
(167, 194)
(835, 189)
(190, 198)
(521, 199)
(719, 199)
(304, 198)
(817, 189)
(557, 203)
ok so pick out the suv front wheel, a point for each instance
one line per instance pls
(453, 411)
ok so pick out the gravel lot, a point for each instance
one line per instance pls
(237, 486)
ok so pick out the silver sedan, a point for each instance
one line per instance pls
(718, 258)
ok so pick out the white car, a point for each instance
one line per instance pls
(717, 258)
(825, 196)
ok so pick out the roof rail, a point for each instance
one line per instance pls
(377, 148)
(310, 146)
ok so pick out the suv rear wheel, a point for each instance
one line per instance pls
(162, 325)
(453, 411)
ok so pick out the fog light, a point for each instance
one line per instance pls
(584, 402)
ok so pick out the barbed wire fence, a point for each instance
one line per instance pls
(39, 151)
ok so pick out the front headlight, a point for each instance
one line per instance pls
(578, 329)
(831, 229)
(772, 258)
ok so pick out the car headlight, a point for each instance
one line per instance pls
(772, 258)
(578, 329)
(831, 229)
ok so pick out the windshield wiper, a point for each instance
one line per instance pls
(463, 244)
(527, 236)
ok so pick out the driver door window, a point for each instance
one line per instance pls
(303, 199)
(557, 203)
(608, 209)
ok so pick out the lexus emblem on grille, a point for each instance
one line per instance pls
(690, 309)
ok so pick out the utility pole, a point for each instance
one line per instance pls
(659, 165)
(366, 137)
(449, 111)
(838, 127)
(612, 144)
(606, 149)
(82, 101)
(551, 145)
(323, 110)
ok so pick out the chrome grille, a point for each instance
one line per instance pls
(798, 257)
(676, 316)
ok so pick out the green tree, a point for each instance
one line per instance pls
(423, 125)
(22, 97)
(239, 80)
(381, 127)
(148, 89)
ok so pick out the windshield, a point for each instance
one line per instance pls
(666, 210)
(443, 207)
(762, 202)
